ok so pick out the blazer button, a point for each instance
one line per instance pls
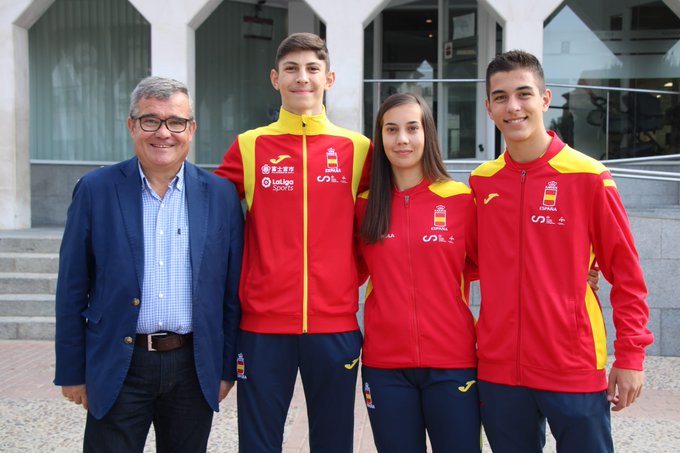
(136, 302)
(127, 340)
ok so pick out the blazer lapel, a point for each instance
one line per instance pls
(130, 202)
(197, 205)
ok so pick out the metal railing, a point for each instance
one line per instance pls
(458, 166)
(602, 121)
(637, 173)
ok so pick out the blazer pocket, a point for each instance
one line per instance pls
(91, 315)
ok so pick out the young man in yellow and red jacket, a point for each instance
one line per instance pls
(299, 177)
(546, 214)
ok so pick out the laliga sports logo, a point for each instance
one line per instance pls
(266, 183)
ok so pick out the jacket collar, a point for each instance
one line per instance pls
(556, 145)
(303, 124)
(420, 187)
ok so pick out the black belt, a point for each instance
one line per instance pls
(163, 341)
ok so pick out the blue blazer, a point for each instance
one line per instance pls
(101, 266)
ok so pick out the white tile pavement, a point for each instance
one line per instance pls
(35, 417)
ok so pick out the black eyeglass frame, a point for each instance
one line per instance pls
(161, 121)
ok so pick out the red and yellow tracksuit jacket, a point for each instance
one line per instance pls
(541, 226)
(416, 313)
(299, 177)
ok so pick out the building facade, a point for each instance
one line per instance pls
(69, 66)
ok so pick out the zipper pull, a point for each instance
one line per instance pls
(406, 200)
(524, 176)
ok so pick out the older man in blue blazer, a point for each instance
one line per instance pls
(147, 296)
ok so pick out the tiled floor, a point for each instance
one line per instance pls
(35, 417)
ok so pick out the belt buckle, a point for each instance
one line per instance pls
(149, 340)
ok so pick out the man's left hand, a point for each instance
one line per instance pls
(225, 387)
(625, 386)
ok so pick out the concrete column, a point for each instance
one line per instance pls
(173, 26)
(485, 129)
(173, 46)
(522, 22)
(345, 22)
(301, 18)
(16, 17)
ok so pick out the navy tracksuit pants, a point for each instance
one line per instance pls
(514, 419)
(403, 404)
(267, 367)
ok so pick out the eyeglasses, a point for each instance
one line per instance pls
(152, 123)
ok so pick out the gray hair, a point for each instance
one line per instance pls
(158, 88)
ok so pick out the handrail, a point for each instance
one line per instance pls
(606, 88)
(625, 121)
(641, 159)
(644, 174)
(631, 173)
(649, 178)
(549, 84)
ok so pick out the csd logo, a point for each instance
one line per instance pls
(431, 238)
(323, 178)
(538, 218)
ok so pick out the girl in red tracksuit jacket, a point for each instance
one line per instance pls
(416, 242)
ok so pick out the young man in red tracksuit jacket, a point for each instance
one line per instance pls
(546, 214)
(299, 177)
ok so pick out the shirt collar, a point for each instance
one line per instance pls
(176, 183)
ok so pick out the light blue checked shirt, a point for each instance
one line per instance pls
(166, 289)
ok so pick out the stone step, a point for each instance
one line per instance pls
(28, 283)
(40, 240)
(26, 305)
(29, 262)
(27, 327)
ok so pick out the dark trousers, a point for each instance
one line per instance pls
(405, 403)
(514, 419)
(160, 388)
(267, 367)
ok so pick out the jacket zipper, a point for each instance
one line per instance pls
(407, 205)
(305, 227)
(519, 276)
